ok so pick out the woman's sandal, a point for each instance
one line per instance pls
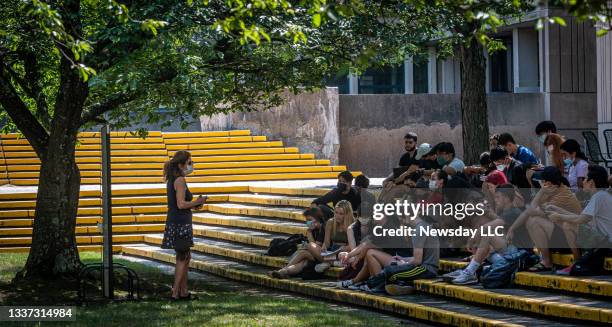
(539, 267)
(276, 274)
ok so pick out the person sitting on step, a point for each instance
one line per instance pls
(342, 191)
(310, 250)
(336, 235)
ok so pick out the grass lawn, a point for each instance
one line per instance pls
(217, 305)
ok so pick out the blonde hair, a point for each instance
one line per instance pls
(348, 213)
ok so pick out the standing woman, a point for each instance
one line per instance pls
(179, 231)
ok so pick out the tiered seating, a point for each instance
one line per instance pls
(238, 222)
(219, 156)
(231, 238)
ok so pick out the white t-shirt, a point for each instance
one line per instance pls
(576, 171)
(457, 165)
(600, 208)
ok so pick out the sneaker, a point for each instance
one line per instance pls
(453, 274)
(365, 288)
(337, 263)
(395, 289)
(565, 271)
(465, 279)
(356, 286)
(344, 283)
(321, 267)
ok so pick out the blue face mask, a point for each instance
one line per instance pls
(568, 162)
(441, 160)
(542, 138)
(309, 223)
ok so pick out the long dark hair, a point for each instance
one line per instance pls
(171, 167)
(572, 145)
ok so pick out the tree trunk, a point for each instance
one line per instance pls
(53, 252)
(474, 116)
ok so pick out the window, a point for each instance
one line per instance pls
(382, 80)
(341, 81)
(501, 69)
(420, 77)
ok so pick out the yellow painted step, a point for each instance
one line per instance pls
(81, 239)
(268, 163)
(225, 152)
(289, 190)
(271, 200)
(119, 134)
(231, 209)
(222, 139)
(92, 147)
(266, 170)
(567, 259)
(435, 315)
(132, 228)
(36, 167)
(261, 177)
(515, 302)
(255, 157)
(244, 222)
(178, 135)
(205, 146)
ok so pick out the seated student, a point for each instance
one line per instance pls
(476, 174)
(316, 236)
(542, 130)
(493, 141)
(396, 273)
(593, 227)
(518, 152)
(445, 155)
(577, 162)
(342, 191)
(362, 182)
(336, 235)
(427, 161)
(359, 234)
(540, 228)
(545, 128)
(512, 168)
(407, 159)
(507, 213)
(553, 151)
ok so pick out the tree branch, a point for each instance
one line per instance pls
(93, 112)
(22, 117)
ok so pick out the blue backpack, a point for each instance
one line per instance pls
(501, 273)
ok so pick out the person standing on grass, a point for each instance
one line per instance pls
(178, 234)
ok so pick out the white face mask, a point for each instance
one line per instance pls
(188, 169)
(363, 220)
(542, 138)
(433, 185)
(550, 148)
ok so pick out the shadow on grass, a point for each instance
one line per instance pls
(218, 304)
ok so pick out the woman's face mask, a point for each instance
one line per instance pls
(188, 169)
(550, 148)
(501, 167)
(309, 224)
(542, 138)
(433, 184)
(568, 162)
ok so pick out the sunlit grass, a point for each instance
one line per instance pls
(217, 305)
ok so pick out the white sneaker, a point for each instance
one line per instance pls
(453, 274)
(344, 283)
(465, 278)
(321, 267)
(337, 263)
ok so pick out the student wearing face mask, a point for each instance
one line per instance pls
(342, 191)
(553, 142)
(542, 130)
(445, 155)
(577, 163)
(178, 234)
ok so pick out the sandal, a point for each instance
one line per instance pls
(189, 297)
(540, 267)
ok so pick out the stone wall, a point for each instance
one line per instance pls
(372, 126)
(308, 121)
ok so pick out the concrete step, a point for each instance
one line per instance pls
(254, 210)
(271, 200)
(9, 242)
(93, 230)
(220, 139)
(419, 306)
(179, 135)
(224, 145)
(597, 286)
(96, 248)
(256, 223)
(91, 220)
(588, 310)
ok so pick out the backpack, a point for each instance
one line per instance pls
(285, 247)
(501, 273)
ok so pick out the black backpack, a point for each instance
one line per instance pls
(285, 247)
(591, 263)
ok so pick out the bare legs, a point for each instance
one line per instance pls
(540, 230)
(179, 288)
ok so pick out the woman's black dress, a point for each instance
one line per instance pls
(178, 221)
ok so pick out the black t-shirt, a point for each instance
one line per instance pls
(407, 159)
(319, 234)
(429, 164)
(336, 196)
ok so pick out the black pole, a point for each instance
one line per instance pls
(107, 214)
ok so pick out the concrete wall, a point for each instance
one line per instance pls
(307, 120)
(604, 86)
(372, 126)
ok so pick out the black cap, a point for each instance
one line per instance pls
(552, 174)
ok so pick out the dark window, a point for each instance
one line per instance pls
(341, 81)
(420, 77)
(382, 80)
(501, 69)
